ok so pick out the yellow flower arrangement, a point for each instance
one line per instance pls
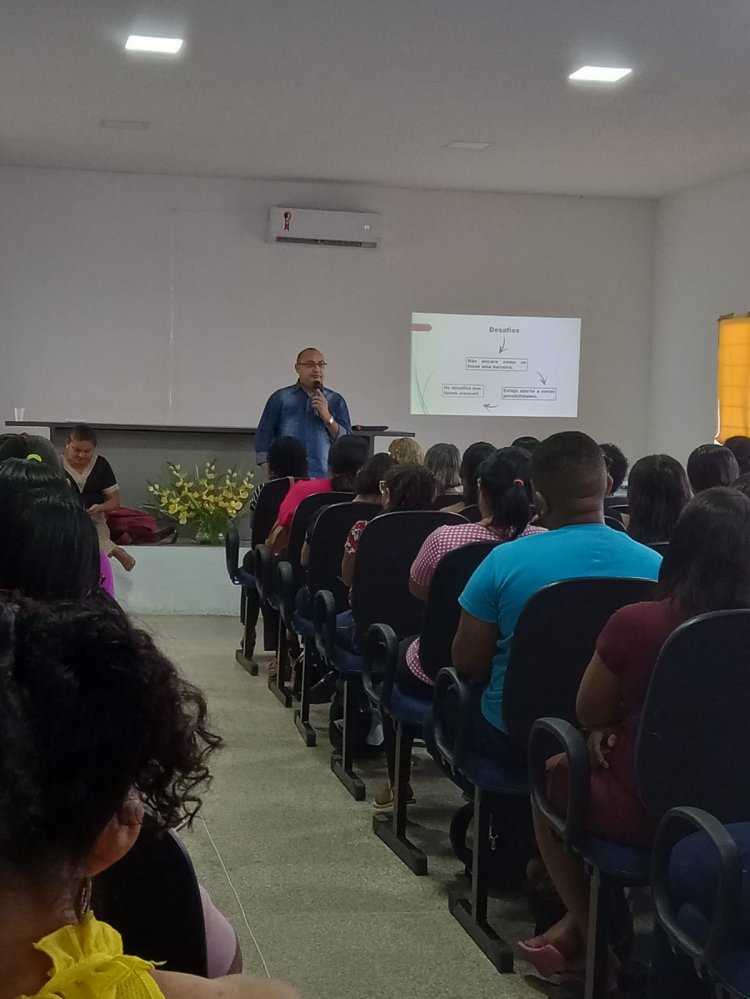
(209, 500)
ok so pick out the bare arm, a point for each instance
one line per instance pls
(304, 558)
(347, 567)
(473, 648)
(599, 697)
(112, 502)
(178, 986)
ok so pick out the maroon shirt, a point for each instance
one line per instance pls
(629, 646)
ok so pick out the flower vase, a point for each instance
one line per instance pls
(211, 529)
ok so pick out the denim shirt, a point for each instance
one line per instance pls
(289, 413)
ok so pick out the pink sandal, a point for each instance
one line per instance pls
(547, 959)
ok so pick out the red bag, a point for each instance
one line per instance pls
(133, 527)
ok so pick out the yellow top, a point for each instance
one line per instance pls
(88, 963)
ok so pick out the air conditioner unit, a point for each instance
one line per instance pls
(324, 228)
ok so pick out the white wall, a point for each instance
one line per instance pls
(155, 299)
(702, 271)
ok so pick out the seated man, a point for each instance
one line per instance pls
(569, 481)
(94, 479)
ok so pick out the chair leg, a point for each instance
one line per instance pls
(392, 828)
(341, 763)
(471, 912)
(249, 621)
(278, 684)
(302, 715)
(597, 945)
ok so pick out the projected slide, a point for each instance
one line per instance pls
(494, 365)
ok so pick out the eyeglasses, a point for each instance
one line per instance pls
(382, 487)
(313, 364)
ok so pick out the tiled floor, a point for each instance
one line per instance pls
(292, 861)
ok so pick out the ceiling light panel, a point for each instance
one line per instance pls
(601, 74)
(149, 43)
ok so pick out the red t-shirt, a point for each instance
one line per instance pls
(629, 646)
(298, 492)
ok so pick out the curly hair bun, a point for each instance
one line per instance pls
(89, 708)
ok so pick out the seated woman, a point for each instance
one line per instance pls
(49, 551)
(444, 461)
(366, 490)
(711, 465)
(405, 487)
(406, 451)
(706, 568)
(96, 721)
(346, 457)
(287, 459)
(471, 462)
(505, 503)
(658, 491)
(48, 546)
(92, 476)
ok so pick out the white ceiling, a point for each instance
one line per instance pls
(371, 90)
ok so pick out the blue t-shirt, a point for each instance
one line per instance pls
(289, 413)
(500, 587)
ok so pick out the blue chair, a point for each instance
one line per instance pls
(554, 640)
(267, 583)
(380, 595)
(685, 696)
(439, 624)
(702, 904)
(323, 572)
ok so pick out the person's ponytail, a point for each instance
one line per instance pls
(505, 487)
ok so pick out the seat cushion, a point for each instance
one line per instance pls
(346, 661)
(494, 775)
(405, 708)
(303, 626)
(626, 863)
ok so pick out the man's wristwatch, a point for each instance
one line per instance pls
(330, 421)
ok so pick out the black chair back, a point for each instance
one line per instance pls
(327, 547)
(151, 897)
(442, 610)
(267, 509)
(232, 552)
(472, 513)
(302, 517)
(614, 522)
(386, 550)
(553, 643)
(694, 738)
(662, 547)
(615, 507)
(447, 499)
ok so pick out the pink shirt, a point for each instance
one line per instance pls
(298, 492)
(437, 544)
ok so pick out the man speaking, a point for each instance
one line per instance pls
(306, 410)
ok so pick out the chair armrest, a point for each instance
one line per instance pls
(287, 591)
(263, 567)
(324, 620)
(548, 737)
(232, 553)
(676, 824)
(451, 729)
(381, 655)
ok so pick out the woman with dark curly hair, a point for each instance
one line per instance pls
(96, 725)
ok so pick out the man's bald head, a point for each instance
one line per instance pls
(570, 478)
(310, 368)
(308, 354)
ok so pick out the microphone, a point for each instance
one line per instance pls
(318, 385)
